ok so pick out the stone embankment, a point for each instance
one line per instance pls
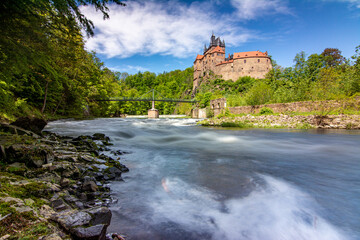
(287, 121)
(55, 187)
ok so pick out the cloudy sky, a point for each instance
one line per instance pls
(161, 35)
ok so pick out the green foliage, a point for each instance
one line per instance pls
(225, 113)
(209, 112)
(236, 124)
(175, 85)
(260, 93)
(234, 100)
(44, 68)
(266, 110)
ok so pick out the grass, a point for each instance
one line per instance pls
(304, 126)
(32, 190)
(237, 124)
(24, 225)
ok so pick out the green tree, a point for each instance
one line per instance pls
(260, 93)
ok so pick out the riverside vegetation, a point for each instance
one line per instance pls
(268, 119)
(55, 187)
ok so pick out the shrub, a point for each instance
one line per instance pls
(225, 113)
(266, 110)
(236, 124)
(260, 93)
(209, 112)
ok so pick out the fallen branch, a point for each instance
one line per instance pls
(2, 218)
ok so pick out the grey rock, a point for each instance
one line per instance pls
(22, 208)
(59, 205)
(89, 185)
(85, 224)
(97, 232)
(101, 215)
(53, 236)
(11, 199)
(39, 156)
(114, 170)
(35, 125)
(16, 130)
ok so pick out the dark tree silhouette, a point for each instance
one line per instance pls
(333, 57)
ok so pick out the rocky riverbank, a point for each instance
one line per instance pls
(286, 121)
(55, 187)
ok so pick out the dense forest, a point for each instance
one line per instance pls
(46, 71)
(322, 76)
(44, 67)
(175, 84)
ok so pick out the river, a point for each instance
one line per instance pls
(190, 182)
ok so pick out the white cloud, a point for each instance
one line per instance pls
(355, 3)
(128, 68)
(167, 28)
(251, 9)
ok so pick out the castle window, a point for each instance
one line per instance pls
(244, 61)
(258, 60)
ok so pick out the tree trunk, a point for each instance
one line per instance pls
(57, 106)
(46, 90)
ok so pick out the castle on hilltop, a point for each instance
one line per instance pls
(255, 64)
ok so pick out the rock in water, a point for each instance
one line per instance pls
(87, 224)
(89, 185)
(35, 125)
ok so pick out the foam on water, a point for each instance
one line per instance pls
(229, 139)
(276, 210)
(213, 190)
(164, 122)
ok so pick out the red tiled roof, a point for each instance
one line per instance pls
(229, 61)
(199, 57)
(250, 54)
(217, 49)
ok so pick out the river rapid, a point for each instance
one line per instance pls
(190, 182)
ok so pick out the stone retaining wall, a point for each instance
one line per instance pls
(218, 105)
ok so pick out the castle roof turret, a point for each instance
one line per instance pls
(214, 42)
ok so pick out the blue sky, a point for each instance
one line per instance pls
(160, 36)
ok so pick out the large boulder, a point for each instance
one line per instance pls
(89, 185)
(35, 125)
(30, 155)
(16, 130)
(87, 224)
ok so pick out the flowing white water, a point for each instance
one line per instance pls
(188, 182)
